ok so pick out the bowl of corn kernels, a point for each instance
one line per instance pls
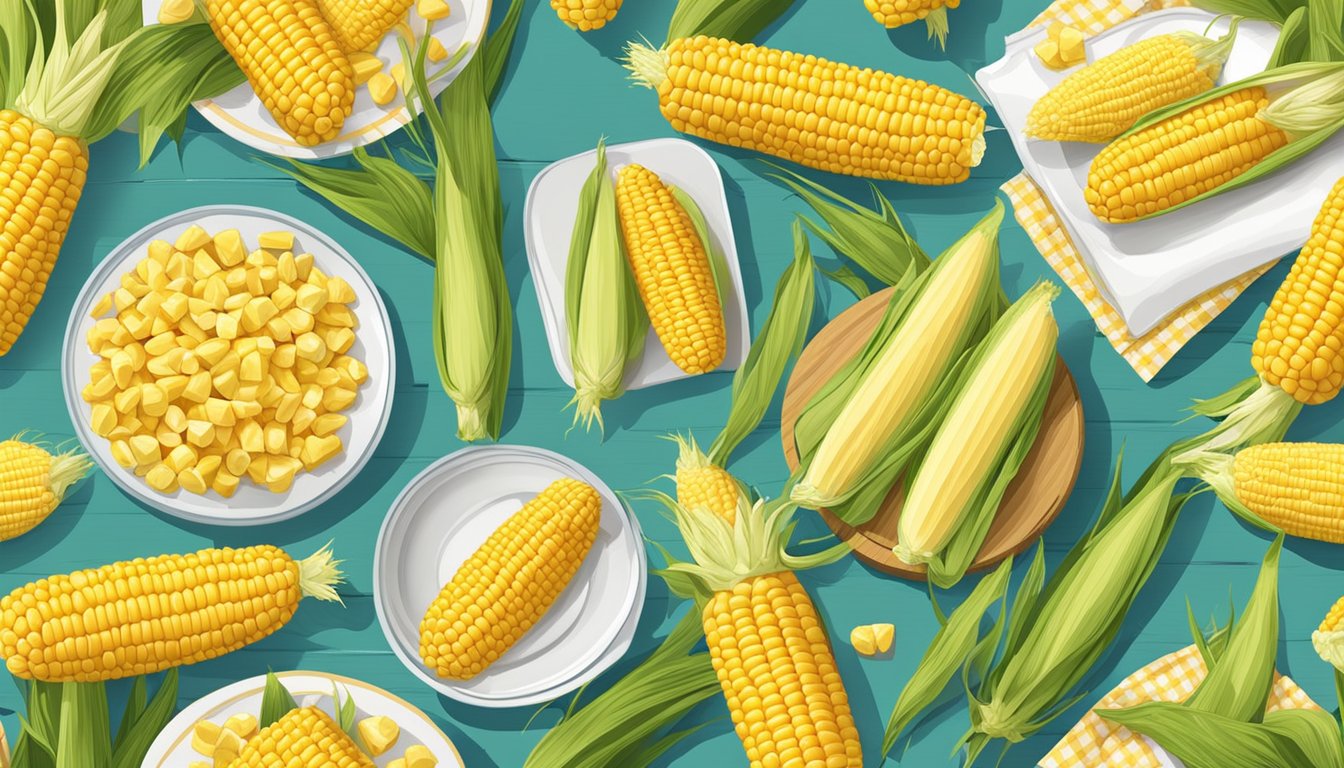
(229, 365)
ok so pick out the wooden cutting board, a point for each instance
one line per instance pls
(1032, 501)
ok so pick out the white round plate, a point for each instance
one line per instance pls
(252, 504)
(446, 513)
(240, 114)
(172, 748)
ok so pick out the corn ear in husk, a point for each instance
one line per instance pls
(863, 427)
(739, 20)
(606, 320)
(985, 436)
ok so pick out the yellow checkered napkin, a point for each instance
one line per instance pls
(1095, 743)
(1148, 353)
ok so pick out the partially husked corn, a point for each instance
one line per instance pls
(1329, 638)
(896, 13)
(307, 737)
(702, 484)
(1298, 487)
(217, 363)
(33, 482)
(510, 582)
(586, 15)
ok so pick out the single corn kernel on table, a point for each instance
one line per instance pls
(557, 72)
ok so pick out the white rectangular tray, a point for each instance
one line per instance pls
(552, 204)
(1149, 269)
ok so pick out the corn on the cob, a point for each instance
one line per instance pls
(815, 112)
(997, 412)
(291, 57)
(911, 363)
(1328, 639)
(702, 484)
(1294, 487)
(143, 616)
(768, 647)
(358, 25)
(898, 13)
(33, 482)
(510, 582)
(1107, 97)
(672, 270)
(306, 736)
(586, 15)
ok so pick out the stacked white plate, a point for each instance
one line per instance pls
(446, 513)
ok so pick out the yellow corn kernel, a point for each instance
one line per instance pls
(101, 307)
(276, 241)
(382, 88)
(180, 458)
(318, 450)
(419, 756)
(280, 472)
(203, 737)
(1048, 52)
(145, 449)
(245, 725)
(225, 484)
(191, 480)
(162, 478)
(121, 453)
(379, 734)
(192, 240)
(328, 423)
(436, 51)
(338, 399)
(200, 433)
(366, 65)
(432, 10)
(872, 639)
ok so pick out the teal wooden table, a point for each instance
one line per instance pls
(563, 92)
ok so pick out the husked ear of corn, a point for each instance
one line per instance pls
(673, 269)
(293, 61)
(1328, 639)
(359, 25)
(606, 322)
(702, 484)
(1216, 142)
(1297, 488)
(510, 582)
(144, 616)
(908, 358)
(819, 113)
(769, 649)
(983, 440)
(1107, 97)
(306, 736)
(33, 482)
(898, 13)
(586, 15)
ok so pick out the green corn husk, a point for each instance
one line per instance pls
(1307, 103)
(603, 312)
(1294, 39)
(1276, 11)
(739, 20)
(67, 725)
(777, 344)
(1288, 738)
(876, 467)
(1251, 412)
(949, 558)
(1073, 622)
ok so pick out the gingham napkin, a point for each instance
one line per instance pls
(1096, 743)
(1148, 353)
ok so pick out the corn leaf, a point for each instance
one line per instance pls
(1325, 19)
(718, 263)
(135, 706)
(276, 701)
(498, 47)
(1294, 38)
(739, 20)
(84, 740)
(1288, 738)
(42, 726)
(950, 650)
(852, 281)
(131, 749)
(19, 33)
(1268, 10)
(777, 344)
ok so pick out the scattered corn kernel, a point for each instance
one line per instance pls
(276, 241)
(379, 734)
(245, 725)
(437, 52)
(872, 639)
(204, 736)
(419, 756)
(382, 88)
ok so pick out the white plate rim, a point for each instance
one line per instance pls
(280, 144)
(88, 295)
(552, 314)
(202, 708)
(619, 640)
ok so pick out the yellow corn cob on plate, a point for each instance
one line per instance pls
(174, 748)
(242, 116)
(442, 518)
(1034, 498)
(1149, 269)
(553, 202)
(252, 504)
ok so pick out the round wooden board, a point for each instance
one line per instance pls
(1033, 500)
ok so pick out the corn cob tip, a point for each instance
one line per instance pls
(320, 574)
(1328, 640)
(646, 63)
(470, 423)
(587, 404)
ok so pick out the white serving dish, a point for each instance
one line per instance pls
(241, 115)
(252, 504)
(552, 204)
(446, 513)
(172, 748)
(1149, 269)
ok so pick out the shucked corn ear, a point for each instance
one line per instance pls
(672, 266)
(1108, 96)
(143, 616)
(982, 441)
(702, 484)
(1329, 638)
(1295, 487)
(306, 736)
(897, 13)
(293, 61)
(819, 113)
(913, 359)
(586, 15)
(607, 326)
(359, 24)
(508, 584)
(33, 482)
(1217, 142)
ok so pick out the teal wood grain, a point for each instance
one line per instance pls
(563, 92)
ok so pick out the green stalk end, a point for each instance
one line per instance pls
(470, 423)
(320, 574)
(647, 64)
